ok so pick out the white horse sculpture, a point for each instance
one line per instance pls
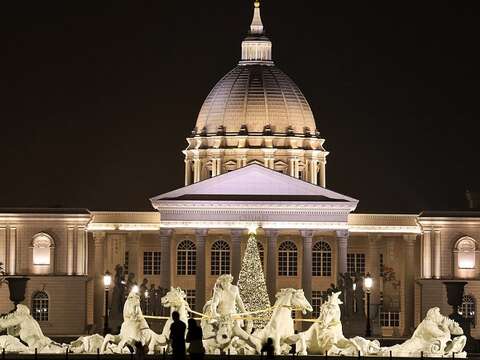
(134, 329)
(325, 336)
(281, 325)
(175, 299)
(21, 324)
(433, 338)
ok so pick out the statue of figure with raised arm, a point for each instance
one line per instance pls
(222, 309)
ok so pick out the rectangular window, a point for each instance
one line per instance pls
(191, 298)
(151, 262)
(356, 264)
(390, 319)
(317, 301)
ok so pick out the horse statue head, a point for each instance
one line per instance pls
(294, 298)
(132, 309)
(174, 299)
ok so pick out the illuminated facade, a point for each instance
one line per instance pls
(255, 158)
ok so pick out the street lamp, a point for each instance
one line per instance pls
(367, 284)
(107, 281)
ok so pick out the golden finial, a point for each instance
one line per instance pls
(257, 3)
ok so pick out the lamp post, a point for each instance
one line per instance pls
(107, 281)
(367, 284)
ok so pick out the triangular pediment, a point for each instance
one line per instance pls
(254, 183)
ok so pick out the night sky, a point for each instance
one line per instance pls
(99, 96)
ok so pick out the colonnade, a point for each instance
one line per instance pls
(308, 169)
(166, 239)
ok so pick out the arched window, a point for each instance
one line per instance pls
(40, 306)
(465, 248)
(220, 258)
(42, 245)
(321, 259)
(287, 259)
(468, 308)
(186, 258)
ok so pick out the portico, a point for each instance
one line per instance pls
(286, 209)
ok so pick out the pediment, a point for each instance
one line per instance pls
(254, 183)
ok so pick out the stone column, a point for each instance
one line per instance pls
(342, 244)
(165, 260)
(313, 172)
(272, 236)
(307, 263)
(197, 166)
(12, 251)
(323, 176)
(99, 289)
(200, 273)
(236, 235)
(70, 250)
(374, 266)
(291, 167)
(188, 172)
(409, 281)
(426, 255)
(437, 243)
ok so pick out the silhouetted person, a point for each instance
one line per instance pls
(139, 351)
(195, 337)
(177, 336)
(268, 348)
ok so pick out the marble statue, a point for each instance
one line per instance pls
(325, 336)
(433, 337)
(225, 330)
(222, 328)
(118, 300)
(86, 344)
(21, 325)
(175, 299)
(281, 325)
(134, 329)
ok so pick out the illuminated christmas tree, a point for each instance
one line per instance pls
(253, 289)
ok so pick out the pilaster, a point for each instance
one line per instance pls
(200, 281)
(426, 255)
(236, 237)
(342, 244)
(165, 236)
(307, 236)
(437, 246)
(272, 236)
(409, 282)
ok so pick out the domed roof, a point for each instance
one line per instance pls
(255, 96)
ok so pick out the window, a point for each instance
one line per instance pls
(125, 263)
(190, 298)
(321, 259)
(356, 264)
(151, 262)
(41, 249)
(220, 258)
(287, 259)
(390, 319)
(186, 258)
(261, 252)
(317, 300)
(40, 306)
(465, 248)
(467, 309)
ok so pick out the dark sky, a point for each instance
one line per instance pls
(98, 96)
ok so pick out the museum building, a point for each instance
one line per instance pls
(254, 159)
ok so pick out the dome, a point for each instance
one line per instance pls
(255, 96)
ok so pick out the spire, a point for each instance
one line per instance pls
(256, 48)
(257, 25)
